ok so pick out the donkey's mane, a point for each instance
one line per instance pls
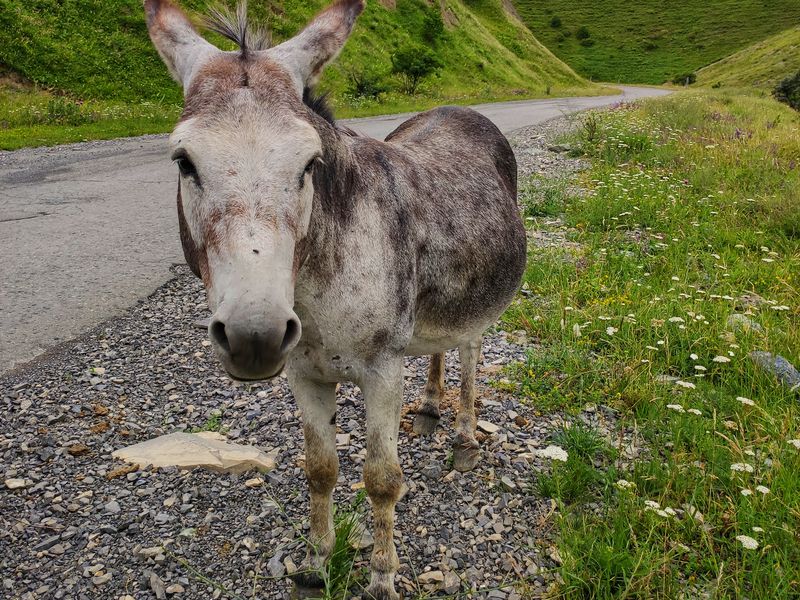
(319, 104)
(236, 27)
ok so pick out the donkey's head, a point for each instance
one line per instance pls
(246, 148)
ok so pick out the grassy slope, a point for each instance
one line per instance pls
(650, 41)
(761, 65)
(99, 50)
(692, 214)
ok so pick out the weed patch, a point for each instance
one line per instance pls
(687, 229)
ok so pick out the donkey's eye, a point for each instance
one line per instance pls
(186, 166)
(307, 171)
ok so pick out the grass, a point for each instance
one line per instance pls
(213, 423)
(38, 118)
(761, 65)
(98, 53)
(652, 41)
(692, 213)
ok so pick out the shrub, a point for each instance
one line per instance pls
(555, 22)
(788, 91)
(582, 33)
(588, 42)
(367, 82)
(413, 63)
(432, 26)
(685, 79)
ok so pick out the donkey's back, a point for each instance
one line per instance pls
(467, 237)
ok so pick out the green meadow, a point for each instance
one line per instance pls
(689, 215)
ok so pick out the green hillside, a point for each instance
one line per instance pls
(651, 41)
(100, 48)
(761, 65)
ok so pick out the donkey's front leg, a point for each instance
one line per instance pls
(383, 394)
(317, 401)
(466, 451)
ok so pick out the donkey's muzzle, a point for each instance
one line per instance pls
(251, 348)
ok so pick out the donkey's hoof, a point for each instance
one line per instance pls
(381, 592)
(307, 584)
(466, 455)
(425, 424)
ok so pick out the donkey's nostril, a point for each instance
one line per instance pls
(218, 334)
(291, 336)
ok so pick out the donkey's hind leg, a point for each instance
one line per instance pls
(466, 451)
(428, 414)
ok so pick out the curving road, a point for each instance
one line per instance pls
(88, 229)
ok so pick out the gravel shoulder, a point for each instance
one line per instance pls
(80, 527)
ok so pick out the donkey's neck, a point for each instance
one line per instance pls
(336, 181)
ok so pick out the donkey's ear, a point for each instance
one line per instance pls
(320, 42)
(181, 48)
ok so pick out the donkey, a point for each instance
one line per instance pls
(334, 255)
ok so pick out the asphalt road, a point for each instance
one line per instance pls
(88, 229)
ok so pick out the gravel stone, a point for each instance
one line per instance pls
(782, 369)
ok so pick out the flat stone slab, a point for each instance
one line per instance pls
(205, 449)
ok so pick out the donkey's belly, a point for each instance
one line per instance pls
(433, 341)
(448, 321)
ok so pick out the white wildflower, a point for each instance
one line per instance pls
(745, 401)
(652, 504)
(695, 411)
(742, 467)
(700, 368)
(624, 484)
(748, 542)
(611, 330)
(553, 452)
(795, 443)
(676, 320)
(758, 529)
(576, 330)
(762, 489)
(676, 407)
(693, 356)
(721, 359)
(686, 384)
(747, 492)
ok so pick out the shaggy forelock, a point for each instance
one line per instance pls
(235, 26)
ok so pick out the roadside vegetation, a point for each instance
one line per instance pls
(30, 117)
(688, 231)
(96, 56)
(651, 41)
